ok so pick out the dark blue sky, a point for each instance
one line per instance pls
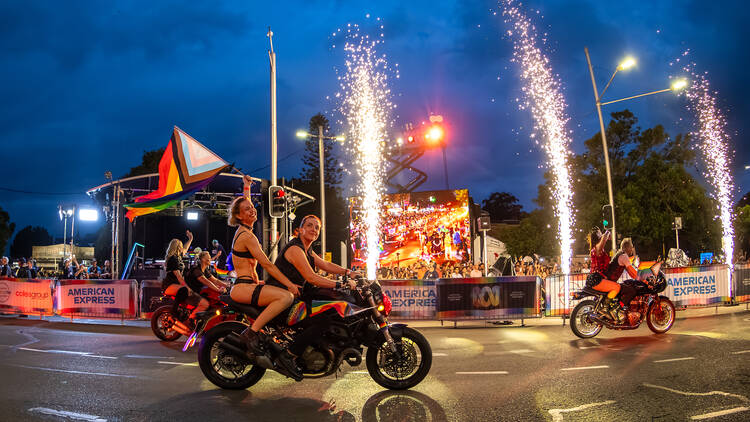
(89, 85)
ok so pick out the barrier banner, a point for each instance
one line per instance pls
(696, 286)
(488, 298)
(741, 283)
(555, 293)
(411, 299)
(149, 289)
(101, 298)
(25, 296)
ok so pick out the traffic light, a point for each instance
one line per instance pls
(276, 201)
(434, 134)
(606, 215)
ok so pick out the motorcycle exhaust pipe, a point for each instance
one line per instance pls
(352, 356)
(263, 361)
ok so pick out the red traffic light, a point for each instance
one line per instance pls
(280, 193)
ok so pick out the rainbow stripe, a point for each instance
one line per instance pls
(185, 168)
(297, 313)
(343, 308)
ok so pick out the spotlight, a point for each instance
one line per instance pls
(191, 215)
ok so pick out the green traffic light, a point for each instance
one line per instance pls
(606, 223)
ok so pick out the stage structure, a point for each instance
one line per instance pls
(433, 226)
(410, 147)
(204, 214)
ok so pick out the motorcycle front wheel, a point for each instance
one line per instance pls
(580, 323)
(162, 322)
(660, 317)
(399, 371)
(223, 368)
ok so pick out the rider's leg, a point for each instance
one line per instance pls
(626, 295)
(179, 292)
(202, 306)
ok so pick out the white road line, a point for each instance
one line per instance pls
(68, 415)
(64, 352)
(588, 347)
(581, 368)
(674, 360)
(483, 373)
(710, 393)
(178, 363)
(439, 354)
(100, 356)
(557, 413)
(74, 372)
(741, 352)
(358, 372)
(148, 357)
(719, 413)
(505, 352)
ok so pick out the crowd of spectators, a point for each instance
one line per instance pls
(69, 269)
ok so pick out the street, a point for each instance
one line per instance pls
(700, 370)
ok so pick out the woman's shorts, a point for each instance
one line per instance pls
(593, 279)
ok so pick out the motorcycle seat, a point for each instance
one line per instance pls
(591, 291)
(251, 311)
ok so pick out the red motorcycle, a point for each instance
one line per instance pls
(169, 325)
(589, 316)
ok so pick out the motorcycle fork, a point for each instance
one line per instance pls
(382, 322)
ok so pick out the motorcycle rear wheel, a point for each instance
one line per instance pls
(222, 368)
(580, 323)
(406, 372)
(161, 324)
(661, 318)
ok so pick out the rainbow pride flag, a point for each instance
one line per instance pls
(185, 168)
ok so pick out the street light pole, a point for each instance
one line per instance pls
(322, 194)
(272, 59)
(605, 148)
(445, 169)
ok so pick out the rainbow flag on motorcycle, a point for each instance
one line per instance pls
(185, 168)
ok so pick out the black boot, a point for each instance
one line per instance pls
(286, 362)
(253, 341)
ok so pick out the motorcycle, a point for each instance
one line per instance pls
(169, 325)
(398, 357)
(588, 317)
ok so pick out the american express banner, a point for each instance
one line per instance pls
(105, 298)
(696, 286)
(411, 299)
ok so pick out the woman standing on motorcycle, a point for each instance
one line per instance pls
(597, 278)
(246, 254)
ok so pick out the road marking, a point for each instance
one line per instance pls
(588, 347)
(710, 393)
(100, 356)
(178, 363)
(741, 352)
(673, 360)
(148, 357)
(719, 413)
(581, 368)
(358, 372)
(67, 371)
(439, 354)
(557, 413)
(64, 352)
(505, 352)
(68, 415)
(483, 373)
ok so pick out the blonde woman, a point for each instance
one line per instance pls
(246, 254)
(174, 266)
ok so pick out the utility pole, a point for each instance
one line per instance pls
(274, 221)
(322, 194)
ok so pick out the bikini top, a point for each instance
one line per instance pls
(241, 254)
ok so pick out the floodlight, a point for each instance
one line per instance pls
(88, 215)
(191, 215)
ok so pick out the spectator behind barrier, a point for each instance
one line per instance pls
(5, 268)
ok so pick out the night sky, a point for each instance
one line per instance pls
(89, 85)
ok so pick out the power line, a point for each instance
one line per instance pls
(279, 160)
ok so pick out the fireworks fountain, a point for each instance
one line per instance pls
(544, 97)
(711, 132)
(366, 105)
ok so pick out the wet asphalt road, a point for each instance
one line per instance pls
(700, 370)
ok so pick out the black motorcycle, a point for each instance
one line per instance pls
(398, 357)
(589, 316)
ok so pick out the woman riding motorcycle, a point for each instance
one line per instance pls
(173, 283)
(246, 254)
(597, 278)
(200, 279)
(621, 262)
(297, 261)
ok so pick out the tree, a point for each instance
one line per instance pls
(309, 182)
(149, 163)
(6, 229)
(503, 206)
(28, 237)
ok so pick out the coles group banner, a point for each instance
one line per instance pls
(114, 298)
(488, 297)
(25, 296)
(411, 299)
(695, 286)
